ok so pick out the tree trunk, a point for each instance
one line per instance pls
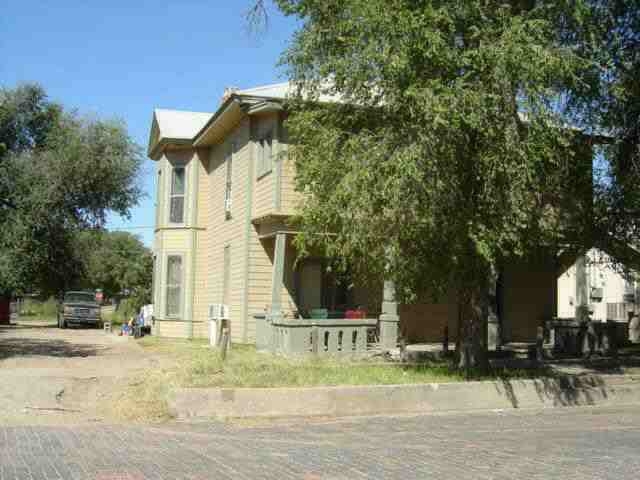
(472, 329)
(474, 290)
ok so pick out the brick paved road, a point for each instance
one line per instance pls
(567, 444)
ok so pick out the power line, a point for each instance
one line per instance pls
(135, 227)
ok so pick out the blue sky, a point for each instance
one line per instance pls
(124, 58)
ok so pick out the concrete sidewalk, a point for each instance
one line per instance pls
(561, 391)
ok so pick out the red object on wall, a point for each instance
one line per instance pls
(5, 311)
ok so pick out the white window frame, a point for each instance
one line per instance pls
(171, 195)
(265, 155)
(159, 194)
(167, 285)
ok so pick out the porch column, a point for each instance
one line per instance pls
(493, 319)
(582, 290)
(389, 319)
(278, 276)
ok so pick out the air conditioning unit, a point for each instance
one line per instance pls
(218, 311)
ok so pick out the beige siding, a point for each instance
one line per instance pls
(260, 273)
(222, 232)
(265, 183)
(182, 239)
(171, 328)
(203, 240)
(263, 195)
(291, 198)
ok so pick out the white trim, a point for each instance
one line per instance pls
(169, 195)
(165, 286)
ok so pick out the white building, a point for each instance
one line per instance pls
(594, 280)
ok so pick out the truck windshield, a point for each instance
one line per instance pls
(73, 297)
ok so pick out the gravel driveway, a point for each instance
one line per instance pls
(49, 375)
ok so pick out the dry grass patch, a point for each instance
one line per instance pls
(192, 363)
(196, 365)
(143, 399)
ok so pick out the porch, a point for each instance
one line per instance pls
(315, 312)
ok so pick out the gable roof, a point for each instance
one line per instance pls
(180, 123)
(284, 90)
(275, 90)
(174, 127)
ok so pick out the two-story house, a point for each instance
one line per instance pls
(225, 190)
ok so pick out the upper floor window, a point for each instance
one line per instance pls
(265, 152)
(176, 202)
(158, 197)
(228, 159)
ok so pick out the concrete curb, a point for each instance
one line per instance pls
(568, 391)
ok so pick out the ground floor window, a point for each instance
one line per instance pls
(174, 286)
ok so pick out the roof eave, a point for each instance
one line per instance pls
(156, 152)
(199, 138)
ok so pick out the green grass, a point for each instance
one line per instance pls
(108, 314)
(192, 363)
(196, 365)
(35, 309)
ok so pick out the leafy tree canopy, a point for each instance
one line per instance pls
(59, 174)
(115, 262)
(608, 33)
(452, 152)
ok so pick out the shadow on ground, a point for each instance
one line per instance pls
(22, 347)
(27, 326)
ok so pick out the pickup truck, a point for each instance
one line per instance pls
(79, 308)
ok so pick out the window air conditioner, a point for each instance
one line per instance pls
(597, 294)
(218, 311)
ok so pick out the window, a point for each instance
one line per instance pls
(227, 192)
(176, 203)
(174, 285)
(154, 281)
(158, 197)
(265, 152)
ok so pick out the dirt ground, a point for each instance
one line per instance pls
(60, 376)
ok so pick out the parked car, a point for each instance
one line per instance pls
(79, 308)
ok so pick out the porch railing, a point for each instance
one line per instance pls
(315, 336)
(619, 311)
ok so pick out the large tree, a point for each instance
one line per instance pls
(59, 174)
(116, 262)
(608, 102)
(449, 154)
